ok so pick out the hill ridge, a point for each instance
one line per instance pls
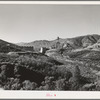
(76, 42)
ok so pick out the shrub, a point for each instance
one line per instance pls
(12, 84)
(62, 84)
(27, 85)
(48, 84)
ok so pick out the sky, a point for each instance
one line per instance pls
(27, 23)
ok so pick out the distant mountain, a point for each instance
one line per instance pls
(8, 47)
(37, 44)
(76, 42)
(21, 43)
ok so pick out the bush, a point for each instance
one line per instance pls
(27, 85)
(63, 72)
(48, 84)
(62, 84)
(12, 84)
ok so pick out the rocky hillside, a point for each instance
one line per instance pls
(76, 42)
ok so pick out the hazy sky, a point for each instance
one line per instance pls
(26, 23)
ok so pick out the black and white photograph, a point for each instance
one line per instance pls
(49, 47)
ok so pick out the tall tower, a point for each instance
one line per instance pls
(58, 38)
(58, 43)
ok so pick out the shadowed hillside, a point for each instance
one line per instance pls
(8, 47)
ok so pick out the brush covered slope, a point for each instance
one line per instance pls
(75, 69)
(6, 47)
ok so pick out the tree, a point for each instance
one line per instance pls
(48, 84)
(12, 84)
(75, 80)
(63, 72)
(77, 74)
(62, 84)
(3, 74)
(27, 85)
(17, 71)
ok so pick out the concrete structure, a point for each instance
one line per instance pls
(43, 50)
(28, 48)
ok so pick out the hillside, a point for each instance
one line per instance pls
(8, 47)
(76, 69)
(88, 41)
(76, 42)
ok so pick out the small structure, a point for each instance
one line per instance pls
(58, 43)
(28, 48)
(43, 50)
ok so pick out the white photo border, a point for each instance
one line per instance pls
(19, 94)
